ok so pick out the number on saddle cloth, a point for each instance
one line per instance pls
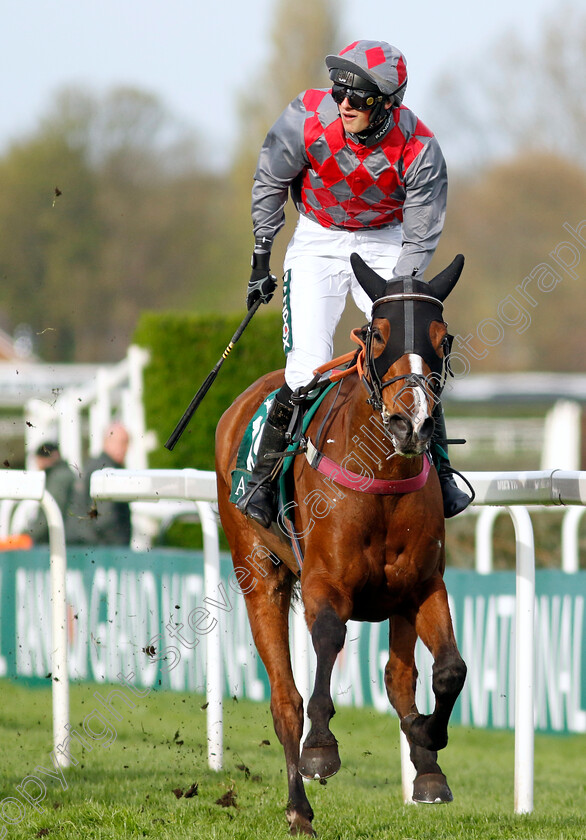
(248, 449)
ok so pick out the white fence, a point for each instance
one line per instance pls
(514, 491)
(550, 442)
(76, 417)
(115, 392)
(20, 485)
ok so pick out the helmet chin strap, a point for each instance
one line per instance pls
(376, 129)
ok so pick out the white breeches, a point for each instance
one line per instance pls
(318, 276)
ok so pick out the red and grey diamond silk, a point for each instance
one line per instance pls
(350, 185)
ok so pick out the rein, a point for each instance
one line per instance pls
(364, 364)
(436, 381)
(355, 363)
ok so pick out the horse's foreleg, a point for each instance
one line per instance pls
(268, 611)
(433, 625)
(319, 757)
(430, 784)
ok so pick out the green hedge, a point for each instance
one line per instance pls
(183, 350)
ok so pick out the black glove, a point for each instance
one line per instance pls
(262, 283)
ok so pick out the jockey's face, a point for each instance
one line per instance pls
(355, 121)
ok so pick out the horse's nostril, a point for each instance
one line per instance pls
(400, 426)
(426, 429)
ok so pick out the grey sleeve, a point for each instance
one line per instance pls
(424, 210)
(281, 159)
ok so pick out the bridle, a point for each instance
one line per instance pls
(372, 379)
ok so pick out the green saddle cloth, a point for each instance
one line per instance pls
(248, 449)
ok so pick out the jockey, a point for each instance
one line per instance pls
(366, 176)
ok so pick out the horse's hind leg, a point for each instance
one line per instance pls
(430, 784)
(268, 612)
(319, 757)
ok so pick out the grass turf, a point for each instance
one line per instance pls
(135, 786)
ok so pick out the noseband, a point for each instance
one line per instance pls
(416, 341)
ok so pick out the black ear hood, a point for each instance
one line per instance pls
(375, 287)
(372, 283)
(443, 283)
(410, 305)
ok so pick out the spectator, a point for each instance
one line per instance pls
(60, 480)
(109, 522)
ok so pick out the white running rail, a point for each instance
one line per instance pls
(200, 487)
(20, 485)
(514, 491)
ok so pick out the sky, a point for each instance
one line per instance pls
(197, 56)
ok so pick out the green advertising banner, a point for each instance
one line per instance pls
(146, 616)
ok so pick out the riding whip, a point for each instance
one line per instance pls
(193, 405)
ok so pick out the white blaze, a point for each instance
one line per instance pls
(420, 407)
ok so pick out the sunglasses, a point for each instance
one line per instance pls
(360, 100)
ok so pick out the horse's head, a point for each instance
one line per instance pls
(407, 344)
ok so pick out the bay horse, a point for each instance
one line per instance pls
(372, 542)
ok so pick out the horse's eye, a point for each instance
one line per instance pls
(377, 335)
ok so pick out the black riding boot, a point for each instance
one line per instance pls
(455, 500)
(260, 499)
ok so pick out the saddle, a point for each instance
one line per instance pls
(248, 449)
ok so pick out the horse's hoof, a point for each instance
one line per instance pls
(319, 762)
(301, 827)
(299, 818)
(298, 824)
(431, 789)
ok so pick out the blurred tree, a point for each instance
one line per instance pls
(515, 298)
(103, 212)
(518, 95)
(49, 243)
(137, 223)
(302, 34)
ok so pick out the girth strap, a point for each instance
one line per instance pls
(364, 483)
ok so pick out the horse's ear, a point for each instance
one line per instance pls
(443, 283)
(373, 285)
